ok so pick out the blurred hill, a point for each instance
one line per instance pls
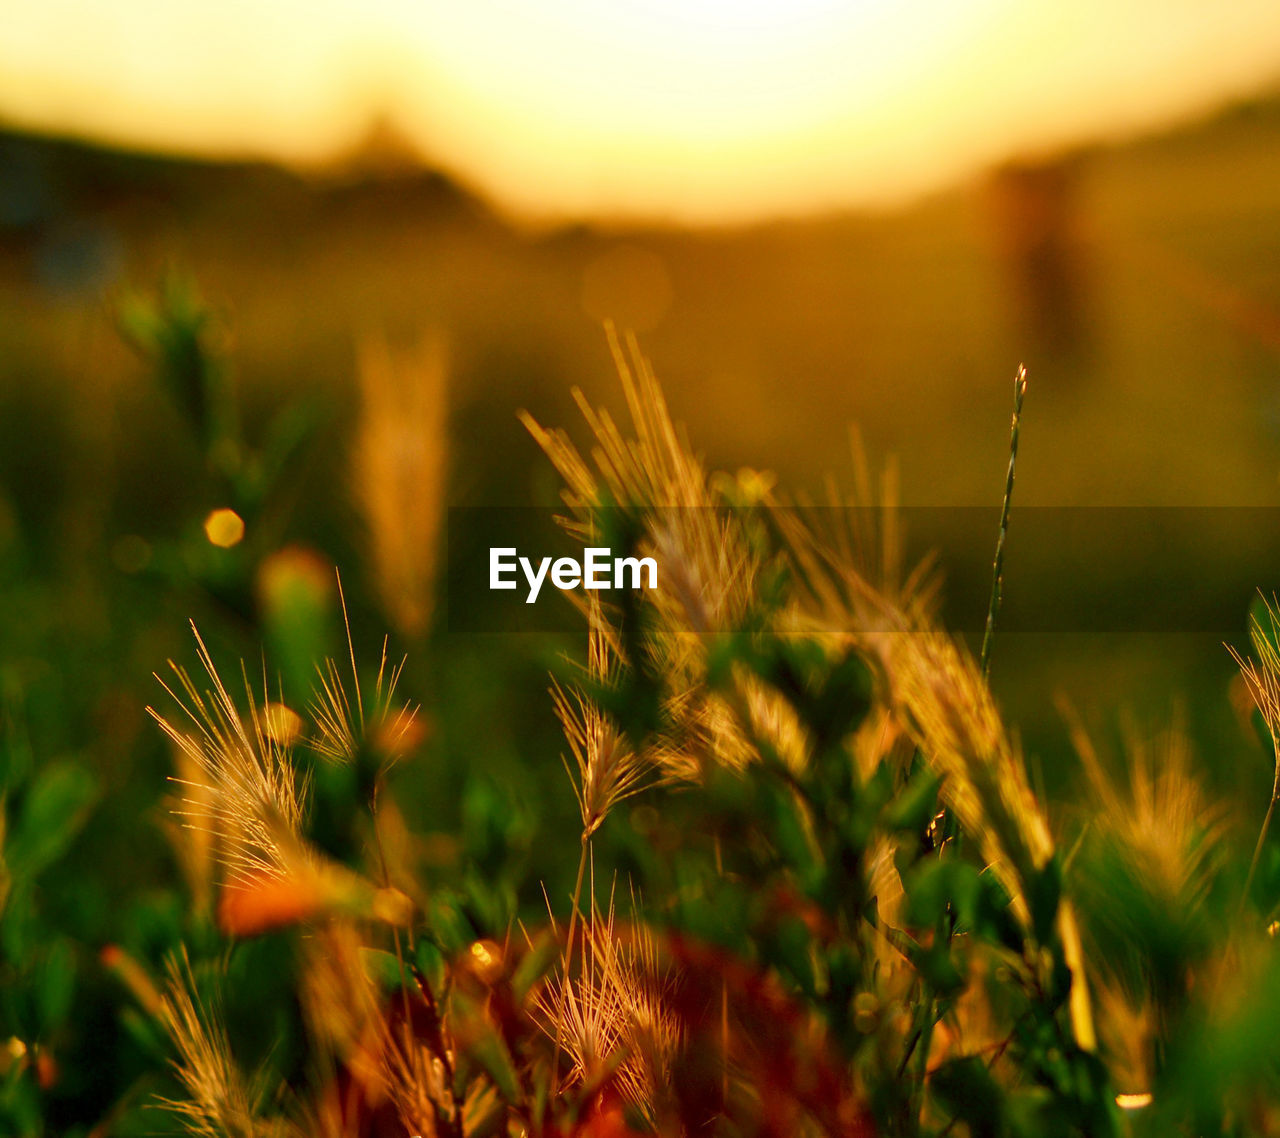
(1139, 283)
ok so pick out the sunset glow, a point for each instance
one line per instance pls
(699, 109)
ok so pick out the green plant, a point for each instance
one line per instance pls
(813, 890)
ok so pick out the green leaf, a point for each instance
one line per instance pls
(832, 698)
(790, 949)
(449, 925)
(173, 332)
(1044, 892)
(431, 964)
(537, 962)
(911, 811)
(939, 884)
(937, 966)
(146, 1033)
(56, 986)
(384, 969)
(489, 1052)
(52, 813)
(968, 1092)
(845, 698)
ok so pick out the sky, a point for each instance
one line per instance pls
(710, 111)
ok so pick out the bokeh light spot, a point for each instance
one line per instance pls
(224, 528)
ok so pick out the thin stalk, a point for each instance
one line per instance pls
(950, 828)
(1262, 837)
(997, 575)
(926, 1044)
(410, 1052)
(568, 956)
(724, 1004)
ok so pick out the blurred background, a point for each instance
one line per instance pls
(275, 279)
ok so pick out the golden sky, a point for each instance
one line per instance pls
(706, 110)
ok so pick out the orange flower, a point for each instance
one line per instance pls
(268, 903)
(272, 901)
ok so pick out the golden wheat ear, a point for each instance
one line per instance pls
(608, 768)
(246, 790)
(612, 1016)
(246, 797)
(948, 707)
(220, 1099)
(400, 468)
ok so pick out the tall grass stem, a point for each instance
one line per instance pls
(568, 955)
(997, 573)
(1262, 838)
